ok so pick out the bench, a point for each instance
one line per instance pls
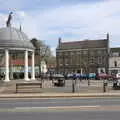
(28, 84)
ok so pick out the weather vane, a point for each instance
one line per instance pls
(8, 22)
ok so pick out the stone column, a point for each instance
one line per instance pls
(33, 66)
(7, 66)
(81, 71)
(11, 67)
(26, 66)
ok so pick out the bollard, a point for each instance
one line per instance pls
(88, 82)
(104, 85)
(73, 86)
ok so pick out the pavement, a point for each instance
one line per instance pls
(7, 90)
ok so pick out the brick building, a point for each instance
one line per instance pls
(88, 56)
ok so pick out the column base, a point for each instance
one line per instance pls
(33, 79)
(26, 79)
(6, 80)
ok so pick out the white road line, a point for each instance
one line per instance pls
(58, 107)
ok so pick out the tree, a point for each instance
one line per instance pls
(43, 51)
(51, 62)
(41, 48)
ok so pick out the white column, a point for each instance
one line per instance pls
(26, 66)
(33, 66)
(7, 66)
(81, 71)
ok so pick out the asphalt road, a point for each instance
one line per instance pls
(61, 109)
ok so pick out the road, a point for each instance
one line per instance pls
(61, 109)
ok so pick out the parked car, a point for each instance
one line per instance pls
(105, 76)
(76, 76)
(92, 75)
(116, 84)
(70, 76)
(58, 76)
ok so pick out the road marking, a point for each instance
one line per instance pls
(57, 107)
(68, 108)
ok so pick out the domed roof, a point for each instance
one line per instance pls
(14, 38)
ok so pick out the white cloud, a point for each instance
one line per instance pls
(2, 20)
(73, 22)
(53, 49)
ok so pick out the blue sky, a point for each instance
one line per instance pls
(71, 20)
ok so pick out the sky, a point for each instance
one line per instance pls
(72, 20)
